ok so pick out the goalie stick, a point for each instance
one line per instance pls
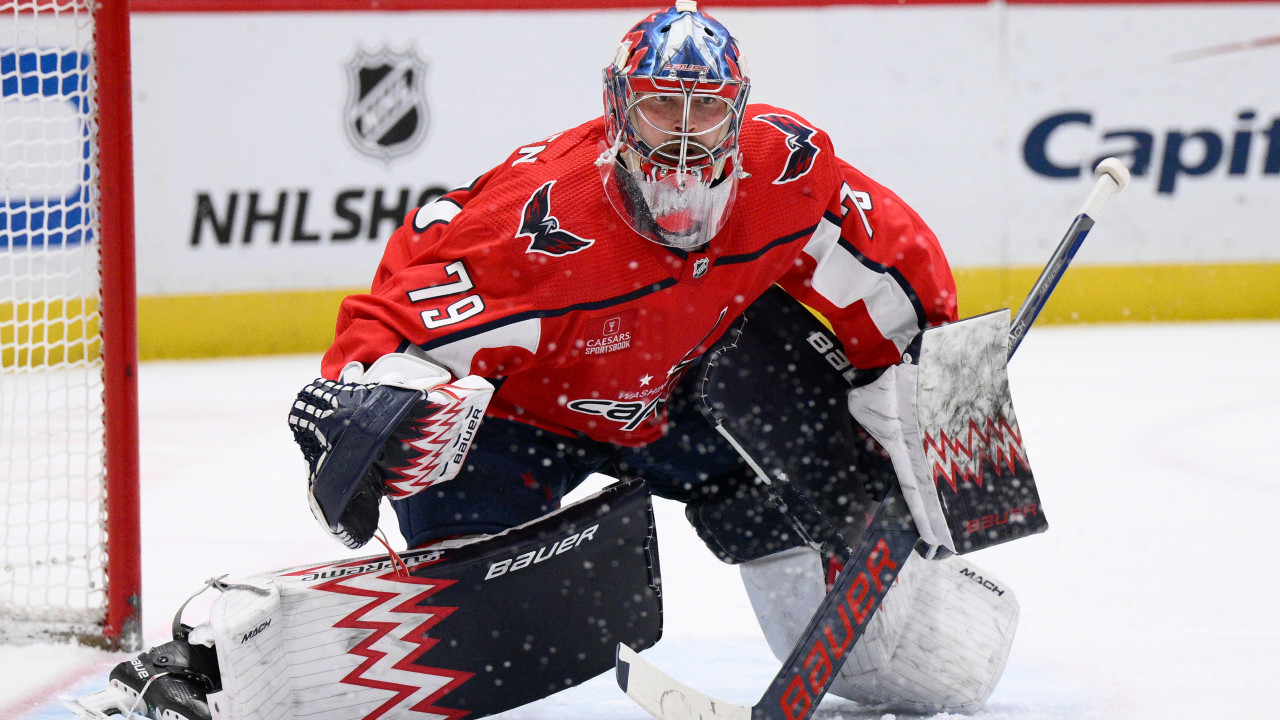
(1112, 177)
(841, 618)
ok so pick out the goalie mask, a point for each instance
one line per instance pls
(674, 98)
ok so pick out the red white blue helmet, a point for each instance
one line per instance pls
(674, 98)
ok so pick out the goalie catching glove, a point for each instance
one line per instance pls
(395, 429)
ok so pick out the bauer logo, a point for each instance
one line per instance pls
(833, 354)
(1247, 145)
(546, 552)
(45, 140)
(386, 115)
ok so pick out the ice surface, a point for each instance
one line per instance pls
(1152, 595)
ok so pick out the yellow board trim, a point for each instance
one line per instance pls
(200, 326)
(1131, 293)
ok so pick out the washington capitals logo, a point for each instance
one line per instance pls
(799, 141)
(539, 225)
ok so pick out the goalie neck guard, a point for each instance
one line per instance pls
(674, 98)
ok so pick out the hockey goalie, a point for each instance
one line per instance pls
(553, 320)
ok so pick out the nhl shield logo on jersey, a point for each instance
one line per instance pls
(386, 114)
(700, 267)
(543, 229)
(799, 142)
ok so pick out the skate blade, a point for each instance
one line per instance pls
(113, 703)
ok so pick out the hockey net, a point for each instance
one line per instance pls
(69, 553)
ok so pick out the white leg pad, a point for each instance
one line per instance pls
(938, 643)
(247, 628)
(784, 589)
(285, 649)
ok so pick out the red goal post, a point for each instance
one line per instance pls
(70, 555)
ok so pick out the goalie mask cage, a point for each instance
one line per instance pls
(70, 564)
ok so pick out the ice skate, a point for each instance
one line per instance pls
(167, 682)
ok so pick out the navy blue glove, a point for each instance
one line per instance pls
(394, 430)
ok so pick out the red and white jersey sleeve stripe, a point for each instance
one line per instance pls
(875, 271)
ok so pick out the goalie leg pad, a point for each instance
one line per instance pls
(785, 589)
(246, 626)
(477, 628)
(958, 630)
(938, 643)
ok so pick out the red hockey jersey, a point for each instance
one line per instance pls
(531, 279)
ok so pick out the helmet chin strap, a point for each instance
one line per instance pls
(610, 154)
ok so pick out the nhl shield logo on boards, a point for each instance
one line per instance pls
(386, 114)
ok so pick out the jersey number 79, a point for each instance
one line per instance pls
(459, 310)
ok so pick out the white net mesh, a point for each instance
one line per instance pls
(52, 537)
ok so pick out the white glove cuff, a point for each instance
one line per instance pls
(397, 370)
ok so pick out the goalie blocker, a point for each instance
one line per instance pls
(775, 387)
(945, 416)
(472, 629)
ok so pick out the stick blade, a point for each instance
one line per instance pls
(667, 698)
